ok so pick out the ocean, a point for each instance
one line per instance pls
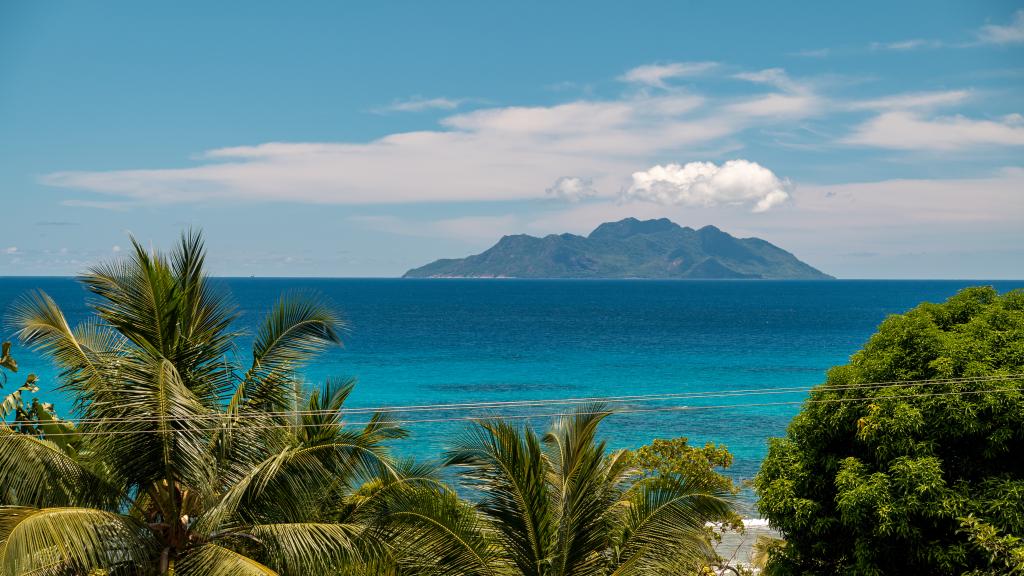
(426, 342)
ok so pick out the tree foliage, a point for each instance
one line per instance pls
(559, 504)
(878, 479)
(184, 459)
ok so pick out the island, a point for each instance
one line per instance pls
(629, 248)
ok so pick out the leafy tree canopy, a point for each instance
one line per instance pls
(879, 479)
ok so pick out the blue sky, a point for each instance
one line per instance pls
(872, 139)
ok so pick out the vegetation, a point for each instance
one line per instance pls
(629, 248)
(922, 478)
(559, 504)
(181, 459)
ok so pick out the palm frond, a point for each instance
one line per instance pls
(431, 531)
(80, 539)
(663, 524)
(37, 472)
(138, 297)
(307, 547)
(206, 316)
(288, 484)
(87, 355)
(168, 317)
(297, 329)
(158, 430)
(508, 468)
(583, 492)
(216, 560)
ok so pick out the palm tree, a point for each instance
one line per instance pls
(561, 505)
(185, 461)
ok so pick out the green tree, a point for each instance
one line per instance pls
(184, 460)
(560, 504)
(877, 479)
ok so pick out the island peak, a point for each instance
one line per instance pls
(629, 248)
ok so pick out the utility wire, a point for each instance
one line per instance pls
(676, 408)
(495, 405)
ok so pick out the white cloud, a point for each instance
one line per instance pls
(909, 131)
(903, 45)
(736, 182)
(489, 154)
(773, 77)
(115, 249)
(819, 53)
(994, 199)
(1014, 119)
(419, 104)
(913, 100)
(515, 152)
(11, 250)
(779, 106)
(793, 99)
(572, 189)
(657, 74)
(477, 228)
(1012, 33)
(887, 218)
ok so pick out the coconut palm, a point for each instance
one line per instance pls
(185, 460)
(561, 504)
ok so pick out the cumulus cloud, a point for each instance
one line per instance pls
(11, 250)
(657, 74)
(572, 189)
(905, 130)
(736, 182)
(1012, 33)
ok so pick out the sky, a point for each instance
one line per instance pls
(871, 139)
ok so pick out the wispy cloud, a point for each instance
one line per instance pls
(525, 152)
(905, 45)
(488, 154)
(476, 228)
(913, 100)
(904, 130)
(656, 74)
(1012, 33)
(420, 104)
(116, 205)
(817, 53)
(57, 223)
(791, 99)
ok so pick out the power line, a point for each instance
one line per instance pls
(490, 405)
(676, 408)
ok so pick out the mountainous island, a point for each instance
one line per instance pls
(628, 248)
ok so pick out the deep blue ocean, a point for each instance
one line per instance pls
(451, 341)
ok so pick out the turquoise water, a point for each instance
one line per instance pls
(445, 341)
